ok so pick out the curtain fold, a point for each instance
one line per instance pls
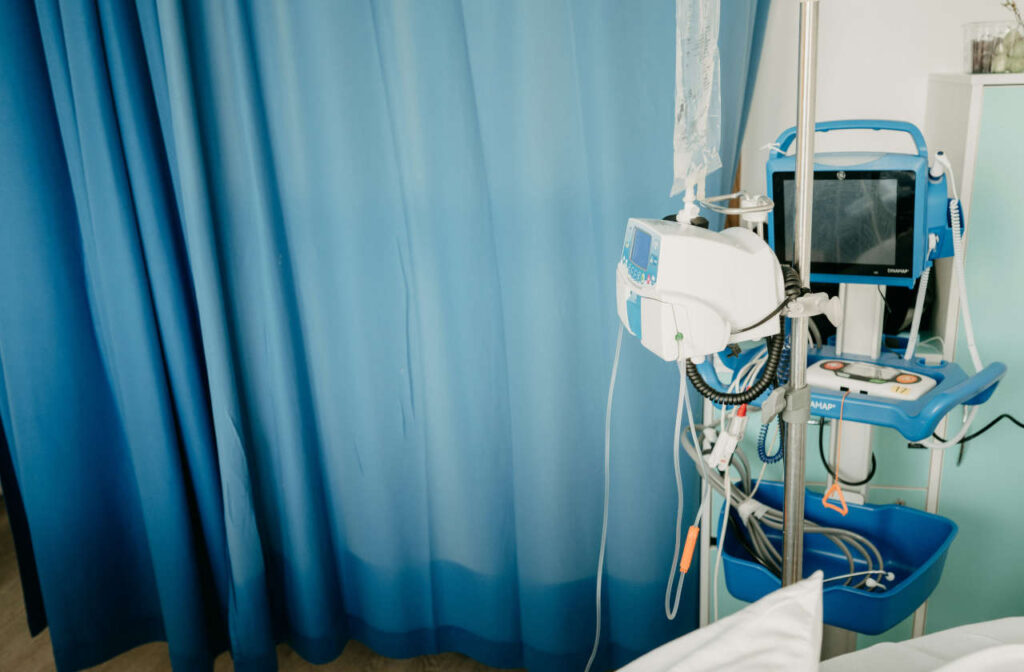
(307, 320)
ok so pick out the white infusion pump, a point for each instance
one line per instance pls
(686, 292)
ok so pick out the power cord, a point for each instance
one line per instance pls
(990, 425)
(793, 290)
(885, 301)
(973, 435)
(828, 467)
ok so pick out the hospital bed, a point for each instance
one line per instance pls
(783, 630)
(989, 645)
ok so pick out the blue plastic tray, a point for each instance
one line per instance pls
(912, 543)
(915, 420)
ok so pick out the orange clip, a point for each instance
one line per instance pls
(688, 548)
(835, 488)
(843, 510)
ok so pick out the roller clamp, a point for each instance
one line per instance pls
(794, 405)
(798, 405)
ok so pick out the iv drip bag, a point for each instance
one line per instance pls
(698, 130)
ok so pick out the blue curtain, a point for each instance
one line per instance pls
(306, 322)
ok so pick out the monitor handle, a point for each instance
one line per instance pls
(787, 136)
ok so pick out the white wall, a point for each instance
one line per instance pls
(874, 58)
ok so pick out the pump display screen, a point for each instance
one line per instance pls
(862, 221)
(869, 371)
(641, 248)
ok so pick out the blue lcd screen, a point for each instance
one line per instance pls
(641, 248)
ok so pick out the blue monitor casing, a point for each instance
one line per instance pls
(873, 212)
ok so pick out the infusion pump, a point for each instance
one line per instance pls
(687, 292)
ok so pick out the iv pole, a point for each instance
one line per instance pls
(797, 413)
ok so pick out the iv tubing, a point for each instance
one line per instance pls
(721, 534)
(607, 488)
(955, 214)
(672, 607)
(915, 325)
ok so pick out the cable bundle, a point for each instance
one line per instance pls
(756, 540)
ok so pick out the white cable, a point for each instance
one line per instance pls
(689, 415)
(889, 576)
(958, 266)
(915, 324)
(671, 608)
(764, 465)
(942, 342)
(965, 310)
(607, 492)
(721, 535)
(965, 426)
(742, 379)
(814, 333)
(705, 498)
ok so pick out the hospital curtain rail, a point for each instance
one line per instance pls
(306, 319)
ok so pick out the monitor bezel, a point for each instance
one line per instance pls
(902, 266)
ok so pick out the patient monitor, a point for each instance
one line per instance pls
(879, 218)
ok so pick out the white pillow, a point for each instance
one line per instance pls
(781, 631)
(1005, 658)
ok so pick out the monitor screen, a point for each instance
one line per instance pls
(641, 248)
(862, 221)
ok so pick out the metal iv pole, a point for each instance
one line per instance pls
(798, 408)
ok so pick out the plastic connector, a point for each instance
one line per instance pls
(751, 507)
(937, 168)
(727, 441)
(818, 303)
(689, 211)
(708, 438)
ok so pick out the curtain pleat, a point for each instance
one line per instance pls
(307, 323)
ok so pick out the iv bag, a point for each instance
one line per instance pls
(698, 130)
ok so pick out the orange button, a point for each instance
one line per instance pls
(907, 378)
(833, 366)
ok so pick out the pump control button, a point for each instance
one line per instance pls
(833, 366)
(907, 378)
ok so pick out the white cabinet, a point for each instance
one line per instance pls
(979, 121)
(955, 117)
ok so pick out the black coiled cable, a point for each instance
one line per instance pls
(793, 289)
(791, 283)
(775, 344)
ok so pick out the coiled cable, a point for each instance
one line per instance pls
(762, 443)
(781, 378)
(775, 344)
(793, 290)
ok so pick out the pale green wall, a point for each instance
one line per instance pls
(984, 574)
